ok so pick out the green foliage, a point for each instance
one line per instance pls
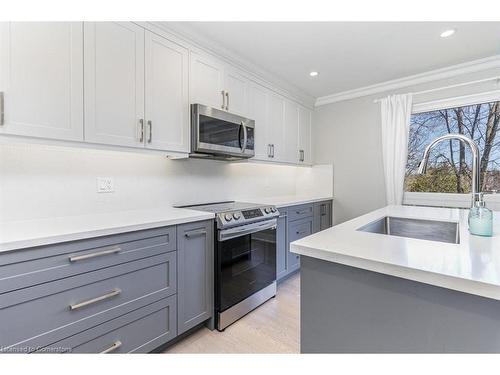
(437, 180)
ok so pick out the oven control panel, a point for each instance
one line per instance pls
(234, 218)
(252, 214)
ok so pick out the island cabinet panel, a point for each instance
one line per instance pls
(195, 271)
(345, 309)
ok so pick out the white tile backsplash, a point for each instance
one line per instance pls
(38, 181)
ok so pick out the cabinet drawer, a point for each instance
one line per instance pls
(300, 212)
(300, 229)
(297, 230)
(51, 309)
(21, 269)
(139, 331)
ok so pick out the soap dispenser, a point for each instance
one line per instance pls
(480, 218)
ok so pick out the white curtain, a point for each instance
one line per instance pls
(396, 112)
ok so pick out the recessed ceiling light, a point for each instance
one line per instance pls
(447, 33)
(313, 74)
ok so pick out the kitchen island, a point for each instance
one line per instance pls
(374, 293)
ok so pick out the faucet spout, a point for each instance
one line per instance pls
(422, 168)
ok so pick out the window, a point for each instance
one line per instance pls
(449, 168)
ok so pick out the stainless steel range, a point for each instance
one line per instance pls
(245, 257)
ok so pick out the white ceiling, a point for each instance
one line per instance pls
(351, 55)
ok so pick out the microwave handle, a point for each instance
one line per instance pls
(245, 137)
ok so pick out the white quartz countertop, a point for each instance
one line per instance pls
(473, 266)
(292, 200)
(28, 233)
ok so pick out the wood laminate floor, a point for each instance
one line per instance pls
(271, 328)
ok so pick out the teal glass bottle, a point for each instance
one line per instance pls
(480, 218)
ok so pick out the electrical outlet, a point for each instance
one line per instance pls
(105, 185)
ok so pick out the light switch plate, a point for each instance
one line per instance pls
(105, 185)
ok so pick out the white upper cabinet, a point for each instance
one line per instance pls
(236, 92)
(114, 83)
(206, 81)
(41, 79)
(167, 98)
(258, 111)
(305, 135)
(120, 84)
(291, 132)
(218, 85)
(276, 126)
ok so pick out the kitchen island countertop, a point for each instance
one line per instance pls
(472, 266)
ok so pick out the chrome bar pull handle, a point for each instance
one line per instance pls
(227, 101)
(2, 109)
(223, 99)
(150, 127)
(195, 233)
(112, 348)
(141, 130)
(109, 251)
(91, 301)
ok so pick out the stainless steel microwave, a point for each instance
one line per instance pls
(221, 135)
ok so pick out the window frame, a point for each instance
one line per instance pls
(456, 200)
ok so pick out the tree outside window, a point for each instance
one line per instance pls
(449, 169)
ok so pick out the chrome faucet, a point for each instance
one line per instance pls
(422, 168)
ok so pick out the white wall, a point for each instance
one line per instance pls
(347, 135)
(44, 181)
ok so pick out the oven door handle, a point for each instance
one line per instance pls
(227, 234)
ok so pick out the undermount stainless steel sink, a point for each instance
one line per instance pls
(431, 230)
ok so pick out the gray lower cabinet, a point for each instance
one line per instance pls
(296, 230)
(139, 331)
(322, 216)
(195, 274)
(130, 292)
(294, 223)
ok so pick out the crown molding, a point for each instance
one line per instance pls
(430, 76)
(258, 74)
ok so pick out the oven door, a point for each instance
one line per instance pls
(245, 262)
(221, 133)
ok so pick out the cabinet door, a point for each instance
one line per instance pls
(258, 111)
(167, 98)
(326, 216)
(281, 245)
(195, 265)
(236, 86)
(114, 83)
(276, 121)
(297, 230)
(291, 130)
(207, 75)
(305, 130)
(322, 216)
(41, 78)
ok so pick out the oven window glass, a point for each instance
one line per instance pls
(245, 265)
(220, 132)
